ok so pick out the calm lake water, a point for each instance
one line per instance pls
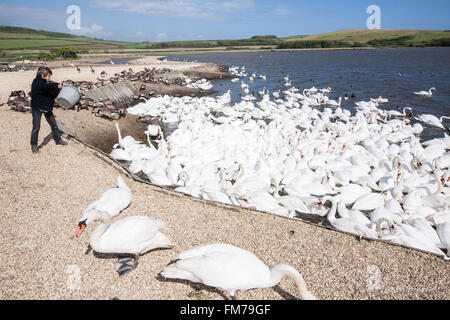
(366, 73)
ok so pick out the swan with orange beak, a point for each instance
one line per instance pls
(128, 238)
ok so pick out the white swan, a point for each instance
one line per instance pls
(188, 188)
(347, 224)
(333, 103)
(428, 93)
(230, 269)
(369, 202)
(131, 236)
(443, 230)
(396, 114)
(112, 201)
(120, 155)
(432, 120)
(126, 142)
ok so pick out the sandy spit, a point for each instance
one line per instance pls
(43, 196)
(10, 81)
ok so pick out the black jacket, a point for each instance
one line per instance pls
(43, 94)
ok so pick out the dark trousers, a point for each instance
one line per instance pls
(49, 116)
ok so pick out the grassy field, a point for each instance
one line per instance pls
(23, 38)
(365, 35)
(29, 43)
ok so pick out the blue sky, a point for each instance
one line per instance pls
(167, 20)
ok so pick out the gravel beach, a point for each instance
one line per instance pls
(43, 196)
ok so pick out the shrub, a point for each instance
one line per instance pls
(67, 53)
(313, 44)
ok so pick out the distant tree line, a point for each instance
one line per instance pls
(314, 44)
(254, 41)
(405, 41)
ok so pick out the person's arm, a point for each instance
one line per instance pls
(56, 89)
(51, 85)
(49, 88)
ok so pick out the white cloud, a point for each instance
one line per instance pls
(283, 11)
(95, 31)
(161, 36)
(195, 9)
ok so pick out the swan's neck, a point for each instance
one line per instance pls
(241, 172)
(439, 188)
(98, 232)
(332, 214)
(118, 132)
(151, 146)
(343, 211)
(187, 180)
(277, 189)
(397, 192)
(121, 183)
(221, 178)
(278, 271)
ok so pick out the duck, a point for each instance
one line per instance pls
(129, 237)
(230, 268)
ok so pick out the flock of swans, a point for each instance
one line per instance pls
(218, 265)
(302, 154)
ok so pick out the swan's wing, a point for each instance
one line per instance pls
(115, 200)
(173, 272)
(129, 234)
(211, 248)
(368, 201)
(158, 241)
(227, 270)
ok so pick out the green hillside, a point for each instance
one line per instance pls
(365, 35)
(25, 38)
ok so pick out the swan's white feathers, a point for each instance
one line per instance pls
(222, 266)
(134, 234)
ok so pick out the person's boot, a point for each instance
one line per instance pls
(61, 143)
(34, 149)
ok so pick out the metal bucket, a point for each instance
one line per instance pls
(68, 97)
